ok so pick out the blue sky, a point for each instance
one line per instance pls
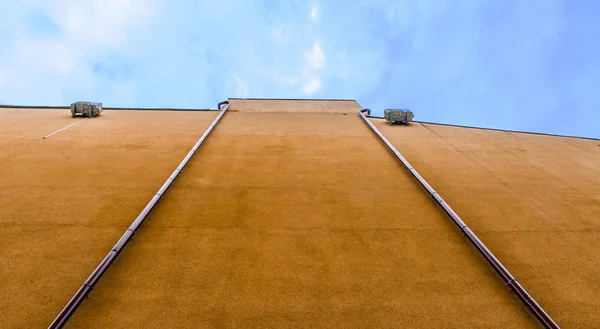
(529, 65)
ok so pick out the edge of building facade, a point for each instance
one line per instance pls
(235, 99)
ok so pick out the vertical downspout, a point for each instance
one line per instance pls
(93, 279)
(508, 278)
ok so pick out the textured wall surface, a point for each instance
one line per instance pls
(534, 200)
(298, 220)
(66, 200)
(292, 220)
(307, 106)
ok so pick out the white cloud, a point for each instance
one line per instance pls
(316, 58)
(312, 86)
(314, 12)
(86, 32)
(241, 87)
(112, 20)
(291, 80)
(281, 33)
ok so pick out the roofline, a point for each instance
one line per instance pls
(293, 99)
(153, 109)
(105, 108)
(32, 107)
(496, 129)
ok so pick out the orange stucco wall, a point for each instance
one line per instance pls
(533, 199)
(292, 219)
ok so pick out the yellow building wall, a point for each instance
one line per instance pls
(533, 199)
(289, 218)
(66, 200)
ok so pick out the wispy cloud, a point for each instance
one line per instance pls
(291, 80)
(312, 73)
(314, 12)
(508, 64)
(60, 64)
(315, 58)
(312, 86)
(282, 33)
(241, 89)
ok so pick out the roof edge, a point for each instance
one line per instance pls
(33, 106)
(105, 108)
(153, 109)
(293, 99)
(497, 129)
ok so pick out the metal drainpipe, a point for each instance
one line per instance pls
(93, 279)
(222, 103)
(508, 278)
